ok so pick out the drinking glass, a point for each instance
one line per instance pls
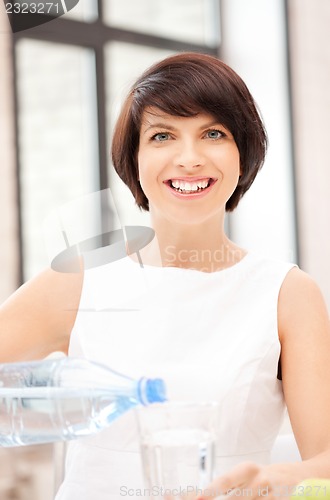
(177, 442)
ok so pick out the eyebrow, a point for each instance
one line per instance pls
(170, 127)
(159, 125)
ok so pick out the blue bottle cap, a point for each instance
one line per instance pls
(155, 390)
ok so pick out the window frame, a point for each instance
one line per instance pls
(92, 35)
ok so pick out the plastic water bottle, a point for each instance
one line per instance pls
(57, 400)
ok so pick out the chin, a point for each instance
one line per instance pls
(190, 220)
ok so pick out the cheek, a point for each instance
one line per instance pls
(145, 172)
(143, 161)
(149, 167)
(234, 163)
(141, 167)
(228, 161)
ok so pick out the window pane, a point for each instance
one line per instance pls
(124, 63)
(85, 10)
(194, 21)
(57, 136)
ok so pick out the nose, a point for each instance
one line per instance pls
(189, 155)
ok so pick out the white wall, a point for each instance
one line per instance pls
(253, 37)
(310, 57)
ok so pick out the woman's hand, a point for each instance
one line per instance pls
(252, 481)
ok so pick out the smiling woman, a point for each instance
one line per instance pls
(186, 85)
(189, 143)
(211, 318)
(186, 164)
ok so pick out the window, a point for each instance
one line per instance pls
(187, 20)
(57, 135)
(71, 74)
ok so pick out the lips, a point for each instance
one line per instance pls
(190, 185)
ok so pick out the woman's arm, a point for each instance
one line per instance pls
(304, 332)
(38, 318)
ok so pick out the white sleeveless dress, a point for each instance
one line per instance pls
(210, 336)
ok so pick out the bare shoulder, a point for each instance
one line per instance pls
(300, 302)
(38, 318)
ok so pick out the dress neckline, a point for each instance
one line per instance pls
(183, 270)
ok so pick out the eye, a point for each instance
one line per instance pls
(160, 137)
(214, 134)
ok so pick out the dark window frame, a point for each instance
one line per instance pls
(92, 35)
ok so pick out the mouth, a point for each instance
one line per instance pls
(190, 186)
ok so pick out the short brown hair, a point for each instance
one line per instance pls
(184, 85)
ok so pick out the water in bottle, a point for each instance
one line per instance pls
(54, 400)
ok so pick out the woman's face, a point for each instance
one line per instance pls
(188, 166)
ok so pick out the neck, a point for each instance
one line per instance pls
(203, 247)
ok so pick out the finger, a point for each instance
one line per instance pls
(229, 483)
(260, 488)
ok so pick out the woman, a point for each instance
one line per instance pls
(214, 320)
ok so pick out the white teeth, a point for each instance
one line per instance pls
(176, 184)
(189, 186)
(203, 184)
